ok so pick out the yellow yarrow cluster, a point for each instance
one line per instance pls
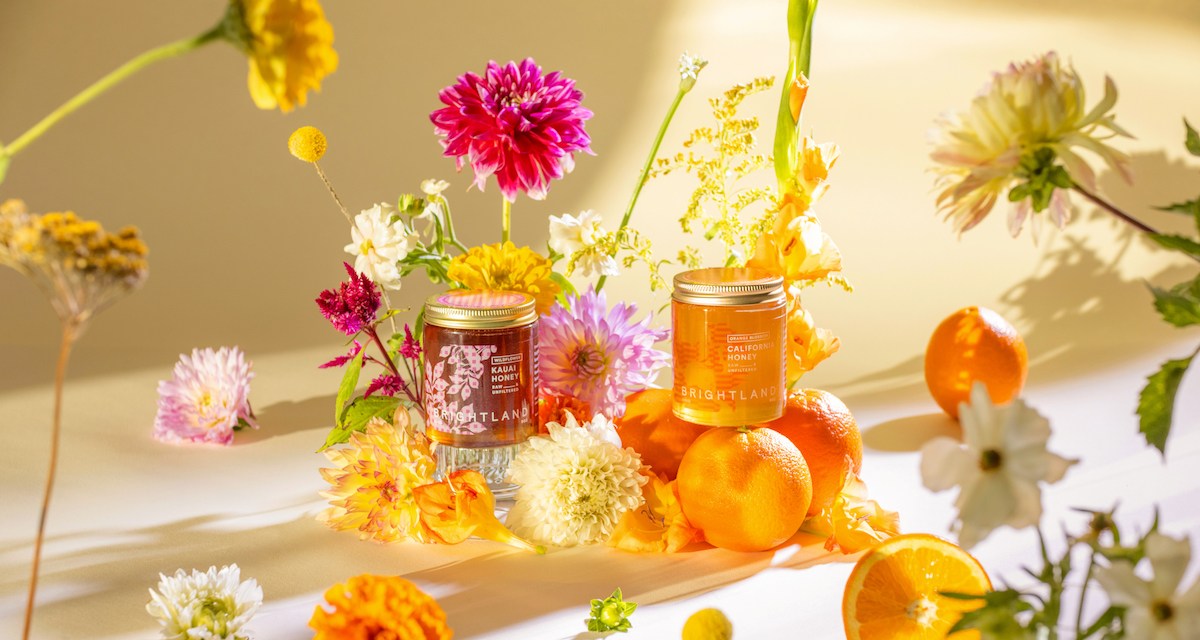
(372, 482)
(78, 265)
(504, 267)
(290, 46)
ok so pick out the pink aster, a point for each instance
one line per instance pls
(598, 355)
(516, 123)
(206, 399)
(353, 306)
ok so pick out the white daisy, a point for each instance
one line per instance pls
(1154, 611)
(213, 605)
(575, 484)
(997, 468)
(378, 242)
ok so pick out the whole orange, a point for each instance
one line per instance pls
(747, 489)
(649, 428)
(972, 344)
(824, 431)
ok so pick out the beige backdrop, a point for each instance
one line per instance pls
(243, 237)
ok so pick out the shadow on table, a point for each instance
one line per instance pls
(283, 418)
(104, 585)
(571, 578)
(910, 433)
(1076, 310)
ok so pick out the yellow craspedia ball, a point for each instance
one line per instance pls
(708, 624)
(307, 144)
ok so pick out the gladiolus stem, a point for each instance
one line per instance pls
(71, 329)
(644, 175)
(171, 50)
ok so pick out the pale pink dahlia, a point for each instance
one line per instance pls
(598, 355)
(516, 123)
(206, 399)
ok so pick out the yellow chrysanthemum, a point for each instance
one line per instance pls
(290, 44)
(504, 267)
(371, 484)
(370, 606)
(307, 144)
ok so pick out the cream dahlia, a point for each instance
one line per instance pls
(213, 605)
(575, 484)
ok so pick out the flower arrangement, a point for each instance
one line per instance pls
(1020, 140)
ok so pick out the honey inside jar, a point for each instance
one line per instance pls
(729, 328)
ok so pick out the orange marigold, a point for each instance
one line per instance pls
(553, 407)
(381, 608)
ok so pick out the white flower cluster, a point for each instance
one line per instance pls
(575, 237)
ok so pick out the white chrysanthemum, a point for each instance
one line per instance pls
(1154, 611)
(998, 467)
(213, 605)
(575, 484)
(575, 237)
(378, 242)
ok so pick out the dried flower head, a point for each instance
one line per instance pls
(370, 606)
(372, 481)
(213, 605)
(307, 144)
(78, 265)
(516, 123)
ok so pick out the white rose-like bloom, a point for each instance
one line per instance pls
(378, 243)
(575, 484)
(1153, 610)
(997, 469)
(213, 605)
(571, 235)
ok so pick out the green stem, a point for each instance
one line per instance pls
(644, 175)
(171, 50)
(505, 221)
(450, 235)
(1121, 215)
(800, 24)
(1087, 579)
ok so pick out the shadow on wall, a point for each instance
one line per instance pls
(1077, 310)
(243, 237)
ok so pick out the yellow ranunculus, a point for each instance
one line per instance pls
(290, 44)
(504, 267)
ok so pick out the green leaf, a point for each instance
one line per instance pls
(1156, 404)
(1178, 305)
(1177, 243)
(1189, 207)
(5, 160)
(1192, 141)
(241, 424)
(345, 391)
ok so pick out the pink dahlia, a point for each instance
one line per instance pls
(516, 123)
(206, 399)
(598, 355)
(353, 306)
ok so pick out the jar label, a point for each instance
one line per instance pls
(470, 389)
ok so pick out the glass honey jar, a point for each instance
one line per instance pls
(481, 368)
(729, 330)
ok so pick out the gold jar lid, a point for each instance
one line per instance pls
(476, 309)
(727, 286)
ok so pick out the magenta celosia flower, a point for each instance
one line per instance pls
(343, 359)
(598, 355)
(410, 348)
(353, 305)
(515, 123)
(386, 384)
(206, 399)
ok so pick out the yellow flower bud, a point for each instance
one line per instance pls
(307, 144)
